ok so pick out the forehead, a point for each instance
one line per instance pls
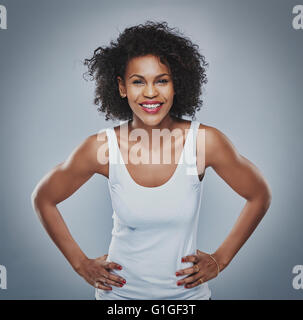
(148, 64)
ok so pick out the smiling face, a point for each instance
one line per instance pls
(148, 86)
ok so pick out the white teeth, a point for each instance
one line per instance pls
(151, 106)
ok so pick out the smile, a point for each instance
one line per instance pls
(151, 108)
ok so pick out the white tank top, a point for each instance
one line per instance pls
(154, 227)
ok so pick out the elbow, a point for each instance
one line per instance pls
(262, 198)
(38, 204)
(267, 202)
(40, 201)
(36, 199)
(266, 197)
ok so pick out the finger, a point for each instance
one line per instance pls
(191, 258)
(107, 275)
(189, 279)
(113, 265)
(116, 279)
(107, 281)
(101, 286)
(195, 283)
(193, 269)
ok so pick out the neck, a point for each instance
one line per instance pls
(166, 123)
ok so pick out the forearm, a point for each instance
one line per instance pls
(250, 216)
(56, 228)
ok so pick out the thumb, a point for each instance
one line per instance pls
(102, 258)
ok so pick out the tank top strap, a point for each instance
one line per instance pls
(196, 125)
(116, 162)
(190, 151)
(112, 150)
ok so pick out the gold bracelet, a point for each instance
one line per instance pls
(216, 264)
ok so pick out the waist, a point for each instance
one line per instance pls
(140, 285)
(150, 275)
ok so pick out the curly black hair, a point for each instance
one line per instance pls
(187, 66)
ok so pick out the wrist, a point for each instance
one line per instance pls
(77, 265)
(221, 260)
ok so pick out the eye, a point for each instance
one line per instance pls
(160, 81)
(163, 81)
(137, 81)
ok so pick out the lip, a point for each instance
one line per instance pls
(155, 110)
(150, 102)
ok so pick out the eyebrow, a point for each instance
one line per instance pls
(158, 76)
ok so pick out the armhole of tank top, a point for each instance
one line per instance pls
(110, 153)
(195, 138)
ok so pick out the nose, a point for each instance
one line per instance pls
(150, 91)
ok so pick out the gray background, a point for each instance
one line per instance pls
(254, 95)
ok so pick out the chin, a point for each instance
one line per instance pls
(152, 119)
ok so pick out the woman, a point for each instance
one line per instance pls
(150, 77)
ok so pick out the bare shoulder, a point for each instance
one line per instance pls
(218, 147)
(97, 150)
(101, 152)
(68, 176)
(235, 169)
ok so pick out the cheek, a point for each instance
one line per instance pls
(133, 92)
(168, 90)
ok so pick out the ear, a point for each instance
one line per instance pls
(122, 88)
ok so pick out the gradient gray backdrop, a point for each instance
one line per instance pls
(254, 96)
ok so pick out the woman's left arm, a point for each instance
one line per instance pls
(244, 178)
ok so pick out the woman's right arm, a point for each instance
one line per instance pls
(59, 184)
